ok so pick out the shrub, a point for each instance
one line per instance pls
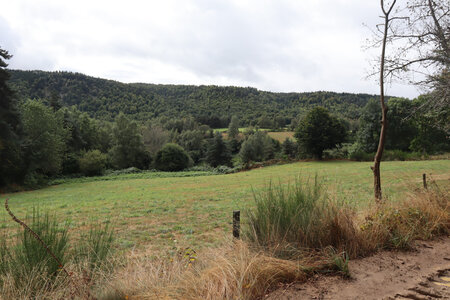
(338, 152)
(224, 170)
(172, 157)
(131, 170)
(92, 163)
(402, 155)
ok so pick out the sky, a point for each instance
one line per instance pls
(273, 45)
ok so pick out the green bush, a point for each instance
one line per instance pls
(172, 157)
(338, 152)
(93, 163)
(388, 155)
(402, 155)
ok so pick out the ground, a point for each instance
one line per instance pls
(422, 273)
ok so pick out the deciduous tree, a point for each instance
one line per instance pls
(318, 131)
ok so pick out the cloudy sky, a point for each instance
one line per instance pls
(276, 45)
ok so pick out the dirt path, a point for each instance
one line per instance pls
(423, 273)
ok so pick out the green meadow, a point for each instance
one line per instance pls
(154, 211)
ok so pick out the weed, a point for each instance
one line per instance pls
(339, 262)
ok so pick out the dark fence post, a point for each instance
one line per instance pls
(424, 178)
(236, 223)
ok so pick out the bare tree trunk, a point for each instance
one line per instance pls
(379, 154)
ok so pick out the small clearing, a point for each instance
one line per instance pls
(423, 273)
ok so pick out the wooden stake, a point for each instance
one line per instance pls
(236, 223)
(424, 178)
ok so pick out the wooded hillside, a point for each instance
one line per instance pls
(211, 105)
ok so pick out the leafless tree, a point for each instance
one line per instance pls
(418, 37)
(377, 160)
(419, 49)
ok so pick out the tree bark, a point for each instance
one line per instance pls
(379, 154)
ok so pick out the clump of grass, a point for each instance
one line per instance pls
(95, 247)
(27, 263)
(232, 272)
(27, 271)
(423, 215)
(287, 221)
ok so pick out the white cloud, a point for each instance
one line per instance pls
(283, 45)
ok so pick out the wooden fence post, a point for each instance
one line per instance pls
(236, 223)
(424, 178)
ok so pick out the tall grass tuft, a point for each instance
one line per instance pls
(27, 263)
(299, 217)
(27, 271)
(95, 247)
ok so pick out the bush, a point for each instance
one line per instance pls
(402, 155)
(131, 170)
(356, 152)
(172, 157)
(224, 170)
(339, 152)
(92, 163)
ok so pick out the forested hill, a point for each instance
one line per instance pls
(212, 105)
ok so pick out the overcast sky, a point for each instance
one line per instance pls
(279, 45)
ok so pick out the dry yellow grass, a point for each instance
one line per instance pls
(282, 136)
(233, 272)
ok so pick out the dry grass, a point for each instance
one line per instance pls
(78, 286)
(242, 271)
(423, 215)
(234, 272)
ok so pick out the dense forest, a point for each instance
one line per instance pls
(210, 105)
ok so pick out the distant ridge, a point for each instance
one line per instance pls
(212, 105)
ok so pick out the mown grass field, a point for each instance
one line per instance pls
(153, 213)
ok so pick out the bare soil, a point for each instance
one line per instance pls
(423, 273)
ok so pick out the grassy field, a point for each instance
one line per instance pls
(276, 135)
(153, 213)
(282, 135)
